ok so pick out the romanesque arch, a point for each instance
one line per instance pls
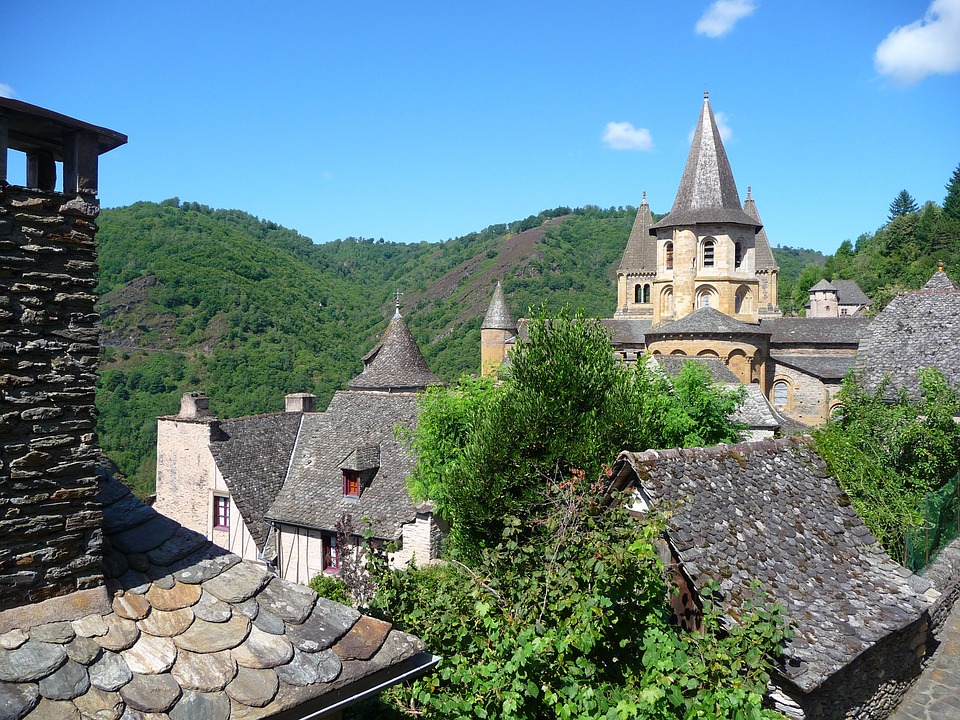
(707, 296)
(708, 252)
(744, 300)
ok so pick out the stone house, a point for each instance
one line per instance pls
(108, 608)
(840, 298)
(273, 488)
(768, 511)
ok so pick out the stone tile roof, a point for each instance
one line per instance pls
(768, 511)
(842, 331)
(193, 633)
(707, 193)
(918, 329)
(849, 293)
(626, 331)
(755, 412)
(708, 321)
(824, 367)
(641, 251)
(312, 495)
(498, 315)
(719, 372)
(253, 454)
(823, 285)
(396, 363)
(763, 256)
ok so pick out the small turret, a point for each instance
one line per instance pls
(498, 327)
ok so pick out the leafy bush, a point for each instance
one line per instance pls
(889, 452)
(566, 617)
(330, 587)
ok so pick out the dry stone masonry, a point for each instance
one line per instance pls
(49, 520)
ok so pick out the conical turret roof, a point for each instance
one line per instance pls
(940, 281)
(498, 315)
(764, 259)
(641, 250)
(708, 193)
(396, 364)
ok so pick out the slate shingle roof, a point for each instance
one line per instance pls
(313, 493)
(396, 363)
(839, 331)
(498, 315)
(641, 251)
(707, 321)
(707, 193)
(918, 329)
(849, 293)
(626, 331)
(193, 633)
(763, 256)
(769, 511)
(824, 367)
(719, 372)
(823, 285)
(253, 454)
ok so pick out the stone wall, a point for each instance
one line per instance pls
(185, 471)
(944, 573)
(809, 398)
(871, 686)
(50, 537)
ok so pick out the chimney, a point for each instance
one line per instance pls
(301, 402)
(50, 531)
(194, 406)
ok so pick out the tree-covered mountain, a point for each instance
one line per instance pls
(194, 298)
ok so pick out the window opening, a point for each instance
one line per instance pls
(646, 293)
(351, 483)
(331, 553)
(668, 253)
(708, 248)
(221, 512)
(738, 255)
(780, 393)
(638, 294)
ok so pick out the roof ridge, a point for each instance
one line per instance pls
(766, 445)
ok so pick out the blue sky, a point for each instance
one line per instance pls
(425, 120)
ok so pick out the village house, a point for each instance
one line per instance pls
(108, 608)
(273, 488)
(769, 512)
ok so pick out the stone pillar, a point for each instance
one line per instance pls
(685, 260)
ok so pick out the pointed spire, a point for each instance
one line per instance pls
(940, 280)
(396, 364)
(641, 250)
(707, 193)
(764, 259)
(498, 315)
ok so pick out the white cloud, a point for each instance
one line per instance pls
(926, 47)
(624, 136)
(726, 132)
(6, 91)
(722, 15)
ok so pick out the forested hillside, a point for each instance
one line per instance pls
(217, 300)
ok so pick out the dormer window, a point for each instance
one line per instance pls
(351, 483)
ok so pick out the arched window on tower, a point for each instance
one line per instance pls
(646, 293)
(638, 293)
(668, 255)
(666, 301)
(738, 255)
(709, 248)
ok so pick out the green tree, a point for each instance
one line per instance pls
(903, 204)
(951, 203)
(485, 451)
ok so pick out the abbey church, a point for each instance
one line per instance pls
(702, 282)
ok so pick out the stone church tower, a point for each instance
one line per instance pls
(707, 252)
